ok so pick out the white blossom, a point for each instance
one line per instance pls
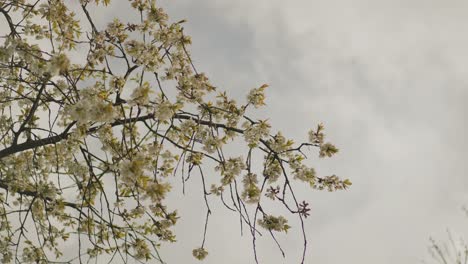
(140, 95)
(164, 111)
(256, 96)
(254, 132)
(91, 108)
(230, 169)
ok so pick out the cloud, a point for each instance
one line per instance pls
(388, 79)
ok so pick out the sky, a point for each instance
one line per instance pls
(389, 81)
(388, 78)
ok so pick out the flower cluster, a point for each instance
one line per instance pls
(230, 169)
(301, 171)
(272, 192)
(63, 22)
(164, 111)
(317, 136)
(6, 51)
(332, 183)
(168, 159)
(157, 14)
(91, 108)
(188, 128)
(194, 87)
(109, 142)
(256, 96)
(279, 143)
(211, 144)
(141, 249)
(140, 95)
(272, 170)
(327, 150)
(32, 254)
(253, 133)
(216, 190)
(274, 223)
(157, 191)
(7, 254)
(144, 54)
(195, 158)
(132, 170)
(116, 31)
(58, 64)
(99, 49)
(233, 111)
(200, 253)
(251, 193)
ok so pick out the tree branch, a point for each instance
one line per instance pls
(65, 134)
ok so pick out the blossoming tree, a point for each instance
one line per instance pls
(97, 119)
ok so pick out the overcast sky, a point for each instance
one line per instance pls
(389, 80)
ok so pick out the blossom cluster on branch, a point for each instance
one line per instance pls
(96, 119)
